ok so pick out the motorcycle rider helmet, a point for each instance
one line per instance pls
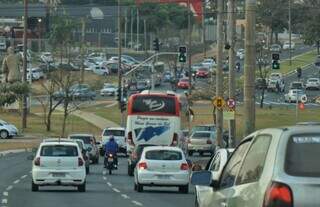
(111, 138)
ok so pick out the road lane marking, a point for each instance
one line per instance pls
(16, 181)
(9, 187)
(116, 190)
(5, 193)
(104, 172)
(109, 184)
(125, 196)
(4, 201)
(23, 176)
(137, 203)
(104, 177)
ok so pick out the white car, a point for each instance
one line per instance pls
(215, 165)
(276, 76)
(286, 45)
(313, 83)
(240, 54)
(46, 57)
(59, 163)
(162, 166)
(119, 136)
(36, 73)
(7, 130)
(274, 167)
(108, 90)
(208, 63)
(101, 70)
(294, 95)
(272, 85)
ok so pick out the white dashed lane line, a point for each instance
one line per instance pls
(125, 196)
(116, 190)
(109, 184)
(23, 176)
(104, 172)
(5, 193)
(4, 201)
(104, 177)
(9, 187)
(16, 181)
(137, 203)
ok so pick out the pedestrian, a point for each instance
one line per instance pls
(278, 87)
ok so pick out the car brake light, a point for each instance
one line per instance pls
(37, 161)
(174, 139)
(209, 141)
(142, 165)
(184, 166)
(80, 161)
(278, 195)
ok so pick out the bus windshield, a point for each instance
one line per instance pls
(154, 104)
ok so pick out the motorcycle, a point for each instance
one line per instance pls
(110, 162)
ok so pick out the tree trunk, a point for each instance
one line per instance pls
(277, 37)
(262, 98)
(65, 115)
(271, 37)
(48, 124)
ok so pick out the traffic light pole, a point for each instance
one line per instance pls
(189, 47)
(25, 62)
(119, 63)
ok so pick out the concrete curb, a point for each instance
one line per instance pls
(14, 151)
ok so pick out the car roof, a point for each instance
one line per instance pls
(58, 143)
(149, 148)
(81, 135)
(209, 132)
(114, 128)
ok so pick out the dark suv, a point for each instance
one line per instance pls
(135, 156)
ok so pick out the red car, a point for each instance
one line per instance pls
(202, 73)
(183, 83)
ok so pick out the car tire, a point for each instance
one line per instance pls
(34, 187)
(82, 187)
(87, 170)
(139, 187)
(184, 189)
(190, 153)
(4, 134)
(130, 170)
(135, 187)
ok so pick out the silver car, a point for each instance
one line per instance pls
(202, 142)
(276, 167)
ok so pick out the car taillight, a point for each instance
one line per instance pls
(278, 195)
(142, 165)
(184, 166)
(209, 141)
(37, 161)
(80, 161)
(174, 139)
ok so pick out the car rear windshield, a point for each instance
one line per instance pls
(163, 155)
(118, 133)
(59, 151)
(204, 128)
(86, 140)
(201, 135)
(302, 156)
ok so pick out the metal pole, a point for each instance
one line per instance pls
(119, 60)
(297, 108)
(145, 35)
(83, 30)
(290, 52)
(232, 61)
(189, 46)
(219, 75)
(131, 29)
(204, 29)
(25, 62)
(152, 76)
(138, 29)
(249, 68)
(125, 30)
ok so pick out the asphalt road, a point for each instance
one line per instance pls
(102, 189)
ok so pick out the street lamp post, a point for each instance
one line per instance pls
(39, 36)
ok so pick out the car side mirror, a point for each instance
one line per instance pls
(205, 178)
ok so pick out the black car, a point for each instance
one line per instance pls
(135, 156)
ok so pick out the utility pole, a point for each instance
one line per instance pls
(125, 29)
(189, 47)
(119, 61)
(131, 29)
(204, 29)
(249, 67)
(83, 30)
(289, 26)
(138, 29)
(232, 65)
(145, 35)
(25, 63)
(219, 75)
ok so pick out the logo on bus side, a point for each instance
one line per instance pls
(149, 132)
(154, 105)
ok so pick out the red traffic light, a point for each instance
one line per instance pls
(301, 106)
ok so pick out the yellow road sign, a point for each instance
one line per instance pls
(218, 102)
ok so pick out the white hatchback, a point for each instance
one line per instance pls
(59, 163)
(162, 166)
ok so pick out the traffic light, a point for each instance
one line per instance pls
(156, 46)
(119, 94)
(275, 61)
(182, 54)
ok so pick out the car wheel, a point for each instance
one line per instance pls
(130, 170)
(34, 187)
(4, 134)
(190, 153)
(87, 170)
(82, 187)
(184, 189)
(139, 187)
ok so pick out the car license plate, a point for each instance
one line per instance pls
(163, 176)
(110, 159)
(58, 174)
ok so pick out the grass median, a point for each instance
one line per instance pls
(297, 61)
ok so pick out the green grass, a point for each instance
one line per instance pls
(299, 61)
(36, 126)
(110, 113)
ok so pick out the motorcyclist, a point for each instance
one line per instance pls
(111, 147)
